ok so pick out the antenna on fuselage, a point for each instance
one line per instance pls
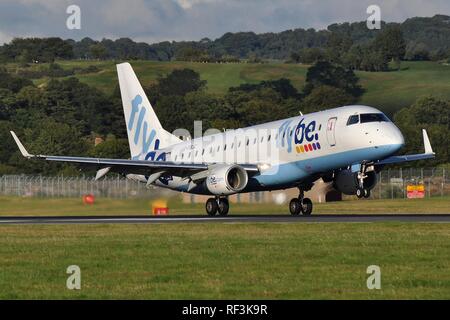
(300, 113)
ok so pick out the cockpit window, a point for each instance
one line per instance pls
(373, 117)
(353, 119)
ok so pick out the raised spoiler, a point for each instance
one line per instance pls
(126, 166)
(411, 157)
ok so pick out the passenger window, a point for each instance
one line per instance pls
(353, 119)
(225, 147)
(268, 138)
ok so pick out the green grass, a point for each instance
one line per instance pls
(226, 261)
(389, 91)
(22, 206)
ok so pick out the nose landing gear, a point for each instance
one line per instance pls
(361, 191)
(217, 205)
(301, 204)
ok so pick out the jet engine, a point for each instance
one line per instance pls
(346, 181)
(226, 179)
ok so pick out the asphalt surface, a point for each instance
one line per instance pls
(440, 218)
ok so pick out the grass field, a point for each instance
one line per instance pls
(389, 91)
(226, 261)
(71, 206)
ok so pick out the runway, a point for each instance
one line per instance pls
(318, 218)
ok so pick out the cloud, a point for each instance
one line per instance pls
(158, 20)
(187, 4)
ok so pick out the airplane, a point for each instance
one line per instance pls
(345, 146)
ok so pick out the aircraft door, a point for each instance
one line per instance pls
(331, 130)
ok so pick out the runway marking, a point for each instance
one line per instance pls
(445, 218)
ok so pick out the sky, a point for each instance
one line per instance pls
(160, 20)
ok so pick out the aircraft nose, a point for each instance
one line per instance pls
(396, 138)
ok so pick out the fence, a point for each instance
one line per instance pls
(59, 186)
(391, 184)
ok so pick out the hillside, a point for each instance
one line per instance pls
(389, 91)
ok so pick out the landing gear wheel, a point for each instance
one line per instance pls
(211, 207)
(223, 207)
(295, 206)
(306, 206)
(360, 193)
(366, 193)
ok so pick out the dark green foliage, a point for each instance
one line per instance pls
(391, 44)
(12, 83)
(85, 108)
(326, 97)
(177, 83)
(428, 113)
(31, 50)
(325, 73)
(111, 148)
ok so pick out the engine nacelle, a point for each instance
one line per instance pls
(346, 181)
(227, 179)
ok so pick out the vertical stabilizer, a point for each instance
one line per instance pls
(145, 132)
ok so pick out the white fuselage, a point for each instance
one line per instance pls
(291, 150)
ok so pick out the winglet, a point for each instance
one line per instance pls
(21, 147)
(426, 142)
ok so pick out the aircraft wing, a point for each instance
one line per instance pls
(411, 157)
(126, 166)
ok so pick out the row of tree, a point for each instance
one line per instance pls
(388, 46)
(424, 38)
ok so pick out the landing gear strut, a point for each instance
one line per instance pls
(362, 192)
(217, 205)
(301, 204)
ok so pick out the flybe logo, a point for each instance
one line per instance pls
(138, 129)
(306, 138)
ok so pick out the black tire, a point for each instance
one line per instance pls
(360, 193)
(307, 207)
(295, 207)
(211, 207)
(223, 207)
(366, 193)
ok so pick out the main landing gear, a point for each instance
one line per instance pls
(361, 191)
(301, 204)
(217, 205)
